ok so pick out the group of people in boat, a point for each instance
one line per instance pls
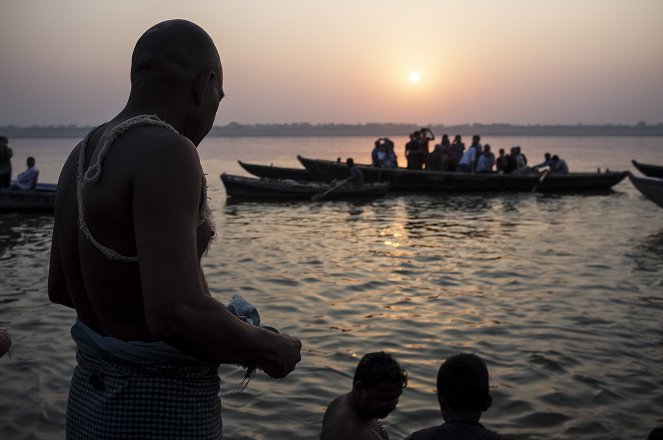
(25, 180)
(454, 156)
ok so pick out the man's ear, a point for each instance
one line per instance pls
(358, 388)
(200, 85)
(489, 401)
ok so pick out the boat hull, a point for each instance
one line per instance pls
(648, 169)
(280, 173)
(42, 199)
(650, 187)
(442, 181)
(265, 189)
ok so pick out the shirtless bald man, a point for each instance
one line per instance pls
(131, 226)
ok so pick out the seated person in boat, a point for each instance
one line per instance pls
(356, 176)
(468, 163)
(463, 394)
(547, 159)
(390, 160)
(486, 160)
(435, 160)
(379, 153)
(377, 385)
(27, 179)
(502, 162)
(458, 147)
(517, 162)
(558, 167)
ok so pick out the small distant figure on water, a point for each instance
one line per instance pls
(131, 227)
(377, 385)
(467, 163)
(383, 155)
(379, 153)
(356, 175)
(558, 167)
(6, 154)
(463, 394)
(458, 147)
(486, 160)
(390, 161)
(547, 159)
(502, 162)
(416, 150)
(27, 180)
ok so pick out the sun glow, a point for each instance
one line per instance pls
(414, 77)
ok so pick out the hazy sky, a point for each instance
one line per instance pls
(350, 61)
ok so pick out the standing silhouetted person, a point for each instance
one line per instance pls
(126, 253)
(463, 394)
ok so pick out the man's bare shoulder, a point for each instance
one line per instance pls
(340, 421)
(160, 143)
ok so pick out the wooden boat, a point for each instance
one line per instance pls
(650, 187)
(41, 198)
(281, 173)
(267, 189)
(648, 169)
(444, 181)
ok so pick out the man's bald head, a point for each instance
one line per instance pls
(173, 51)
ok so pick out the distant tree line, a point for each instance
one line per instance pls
(235, 129)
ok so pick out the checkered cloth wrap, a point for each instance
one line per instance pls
(113, 399)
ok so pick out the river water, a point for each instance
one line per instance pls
(561, 295)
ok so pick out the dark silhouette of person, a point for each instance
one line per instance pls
(6, 154)
(356, 175)
(463, 394)
(376, 387)
(129, 234)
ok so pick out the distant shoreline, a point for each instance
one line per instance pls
(235, 129)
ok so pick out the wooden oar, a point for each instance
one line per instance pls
(320, 195)
(543, 176)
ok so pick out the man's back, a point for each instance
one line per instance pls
(108, 294)
(459, 430)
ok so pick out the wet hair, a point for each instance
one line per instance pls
(379, 368)
(656, 434)
(463, 382)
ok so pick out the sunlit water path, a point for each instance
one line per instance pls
(561, 295)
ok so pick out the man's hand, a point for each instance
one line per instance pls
(288, 354)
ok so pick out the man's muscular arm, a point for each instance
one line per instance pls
(177, 309)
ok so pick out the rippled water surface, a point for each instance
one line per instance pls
(561, 295)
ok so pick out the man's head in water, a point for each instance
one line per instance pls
(377, 385)
(462, 387)
(175, 65)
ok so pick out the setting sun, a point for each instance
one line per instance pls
(414, 77)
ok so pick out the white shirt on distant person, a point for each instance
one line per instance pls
(28, 178)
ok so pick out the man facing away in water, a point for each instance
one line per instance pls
(376, 387)
(131, 226)
(463, 393)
